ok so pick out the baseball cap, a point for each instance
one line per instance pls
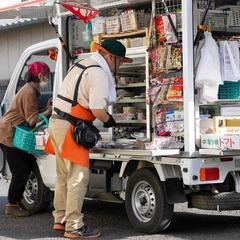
(113, 47)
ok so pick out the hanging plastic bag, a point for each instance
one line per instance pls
(208, 71)
(229, 58)
(210, 92)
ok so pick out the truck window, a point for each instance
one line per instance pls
(47, 91)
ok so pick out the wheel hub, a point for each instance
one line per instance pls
(143, 200)
(31, 189)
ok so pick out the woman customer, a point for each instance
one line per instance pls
(23, 109)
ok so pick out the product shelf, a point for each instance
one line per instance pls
(138, 32)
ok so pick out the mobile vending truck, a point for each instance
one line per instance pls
(169, 146)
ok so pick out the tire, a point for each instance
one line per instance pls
(146, 203)
(36, 197)
(221, 201)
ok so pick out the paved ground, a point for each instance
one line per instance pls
(187, 224)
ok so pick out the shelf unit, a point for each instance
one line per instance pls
(139, 68)
(120, 3)
(140, 32)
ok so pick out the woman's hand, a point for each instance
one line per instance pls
(49, 103)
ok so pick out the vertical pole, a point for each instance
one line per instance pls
(188, 77)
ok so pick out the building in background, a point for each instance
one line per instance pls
(16, 35)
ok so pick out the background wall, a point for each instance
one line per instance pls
(15, 41)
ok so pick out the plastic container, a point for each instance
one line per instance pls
(229, 90)
(216, 19)
(234, 17)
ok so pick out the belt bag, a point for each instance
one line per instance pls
(85, 134)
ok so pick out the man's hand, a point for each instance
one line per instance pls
(110, 123)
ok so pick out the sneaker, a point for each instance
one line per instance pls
(17, 210)
(83, 232)
(59, 226)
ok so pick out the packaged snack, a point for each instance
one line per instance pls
(169, 34)
(175, 91)
(177, 58)
(160, 29)
(164, 89)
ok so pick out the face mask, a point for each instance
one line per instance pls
(43, 84)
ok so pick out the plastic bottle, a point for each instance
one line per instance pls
(89, 31)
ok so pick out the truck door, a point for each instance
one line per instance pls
(47, 52)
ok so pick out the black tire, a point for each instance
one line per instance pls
(221, 201)
(146, 203)
(36, 197)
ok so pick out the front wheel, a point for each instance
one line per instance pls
(146, 203)
(36, 197)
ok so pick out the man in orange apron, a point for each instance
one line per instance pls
(85, 93)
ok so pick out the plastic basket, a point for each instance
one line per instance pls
(234, 18)
(216, 19)
(25, 140)
(229, 90)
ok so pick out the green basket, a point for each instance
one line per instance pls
(229, 90)
(24, 138)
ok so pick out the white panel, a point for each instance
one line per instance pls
(189, 116)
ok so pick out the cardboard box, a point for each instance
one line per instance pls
(226, 124)
(230, 141)
(229, 130)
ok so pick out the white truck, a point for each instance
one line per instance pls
(149, 181)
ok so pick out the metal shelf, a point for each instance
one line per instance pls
(132, 100)
(121, 3)
(131, 85)
(132, 121)
(124, 34)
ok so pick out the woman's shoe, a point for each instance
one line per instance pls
(16, 210)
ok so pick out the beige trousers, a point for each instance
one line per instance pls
(71, 181)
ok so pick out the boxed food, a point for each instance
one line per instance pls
(98, 25)
(129, 110)
(222, 125)
(138, 42)
(119, 117)
(128, 21)
(113, 25)
(219, 141)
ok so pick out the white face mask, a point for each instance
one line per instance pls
(43, 84)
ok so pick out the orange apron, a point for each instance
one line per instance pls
(71, 150)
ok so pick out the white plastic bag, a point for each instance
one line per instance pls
(229, 58)
(208, 71)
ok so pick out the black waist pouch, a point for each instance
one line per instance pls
(85, 134)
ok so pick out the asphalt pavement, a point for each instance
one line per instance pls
(187, 224)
